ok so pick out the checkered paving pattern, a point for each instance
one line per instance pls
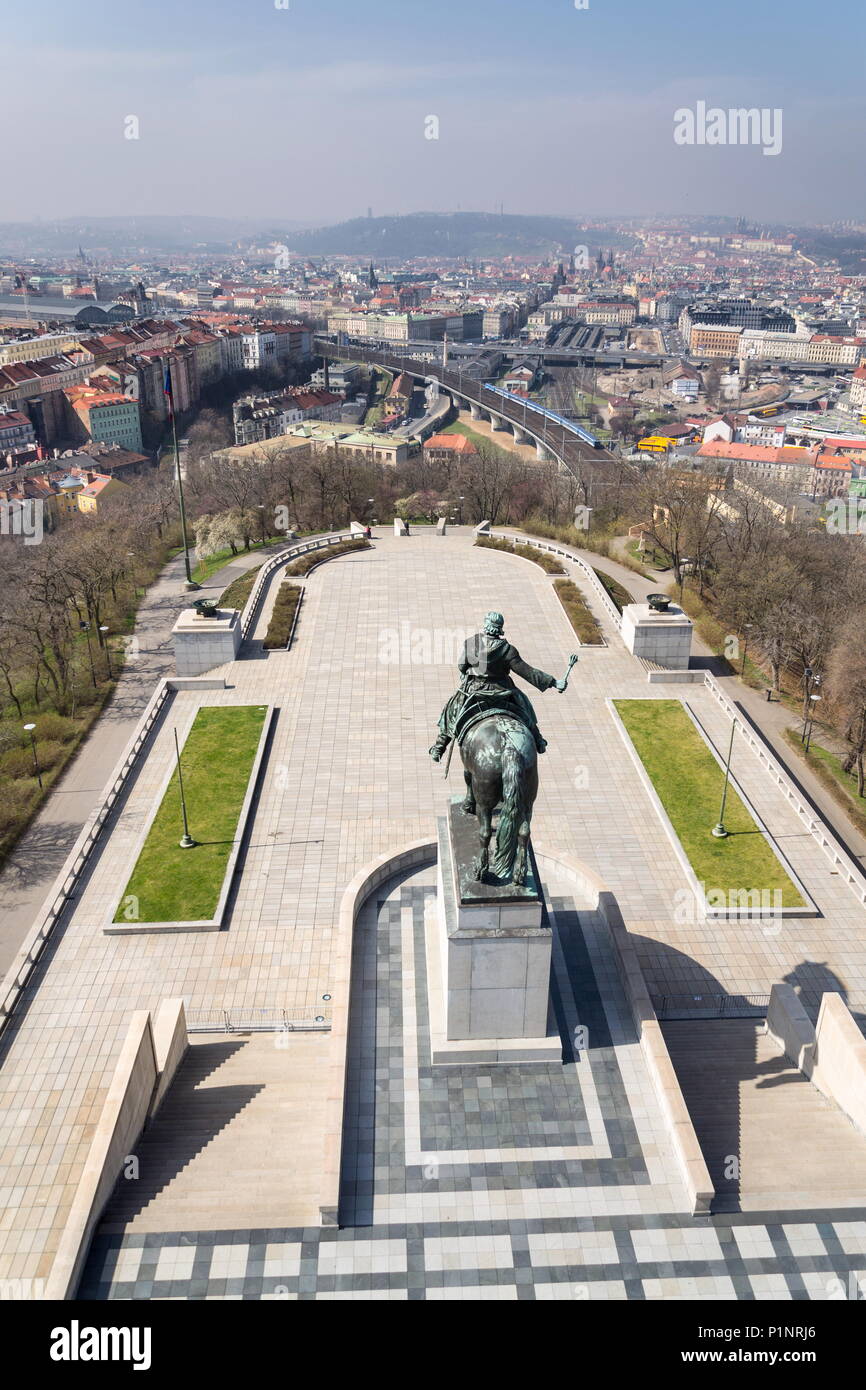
(538, 1182)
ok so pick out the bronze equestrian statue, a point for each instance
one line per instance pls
(494, 724)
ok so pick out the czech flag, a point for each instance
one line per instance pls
(166, 387)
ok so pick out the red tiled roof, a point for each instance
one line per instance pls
(456, 443)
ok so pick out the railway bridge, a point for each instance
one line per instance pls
(555, 437)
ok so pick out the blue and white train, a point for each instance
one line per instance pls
(550, 414)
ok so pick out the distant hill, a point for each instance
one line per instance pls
(472, 234)
(155, 232)
(847, 248)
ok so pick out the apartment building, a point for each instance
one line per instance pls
(714, 340)
(105, 416)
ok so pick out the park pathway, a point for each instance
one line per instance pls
(30, 870)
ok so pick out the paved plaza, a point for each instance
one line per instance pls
(539, 1182)
(516, 1184)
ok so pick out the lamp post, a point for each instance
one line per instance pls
(29, 729)
(260, 507)
(809, 680)
(85, 628)
(104, 631)
(461, 510)
(814, 700)
(103, 628)
(131, 556)
(186, 840)
(719, 830)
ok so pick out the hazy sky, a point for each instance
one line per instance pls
(317, 111)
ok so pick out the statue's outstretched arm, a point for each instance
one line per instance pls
(540, 679)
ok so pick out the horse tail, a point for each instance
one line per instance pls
(513, 807)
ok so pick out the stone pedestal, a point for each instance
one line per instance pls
(200, 644)
(440, 526)
(665, 638)
(400, 527)
(489, 953)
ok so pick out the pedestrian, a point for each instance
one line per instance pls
(406, 524)
(368, 534)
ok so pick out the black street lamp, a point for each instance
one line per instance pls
(186, 840)
(85, 628)
(813, 701)
(103, 628)
(29, 729)
(719, 830)
(810, 679)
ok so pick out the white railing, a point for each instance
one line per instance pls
(15, 981)
(848, 868)
(244, 1020)
(564, 551)
(282, 557)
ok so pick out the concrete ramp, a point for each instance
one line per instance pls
(237, 1141)
(769, 1138)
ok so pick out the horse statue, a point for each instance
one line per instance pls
(495, 726)
(500, 764)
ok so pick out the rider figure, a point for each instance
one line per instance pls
(486, 665)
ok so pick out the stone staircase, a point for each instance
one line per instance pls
(794, 1148)
(236, 1143)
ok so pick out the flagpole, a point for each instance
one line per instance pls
(170, 394)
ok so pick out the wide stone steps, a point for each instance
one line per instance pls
(236, 1143)
(768, 1136)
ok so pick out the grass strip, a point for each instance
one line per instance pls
(305, 563)
(527, 552)
(282, 616)
(619, 596)
(577, 613)
(827, 767)
(688, 782)
(237, 593)
(170, 884)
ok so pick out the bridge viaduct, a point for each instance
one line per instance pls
(552, 436)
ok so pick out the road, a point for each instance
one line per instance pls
(28, 873)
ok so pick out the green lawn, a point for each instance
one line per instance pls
(688, 782)
(828, 768)
(183, 885)
(211, 563)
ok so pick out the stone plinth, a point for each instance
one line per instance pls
(400, 527)
(490, 962)
(665, 638)
(200, 644)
